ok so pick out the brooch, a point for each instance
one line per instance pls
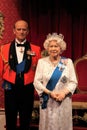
(64, 79)
(61, 66)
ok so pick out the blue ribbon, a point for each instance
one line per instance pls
(20, 67)
(51, 85)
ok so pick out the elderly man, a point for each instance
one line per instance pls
(18, 60)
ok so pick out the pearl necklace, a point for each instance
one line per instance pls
(55, 62)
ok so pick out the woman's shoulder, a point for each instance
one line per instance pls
(43, 59)
(66, 60)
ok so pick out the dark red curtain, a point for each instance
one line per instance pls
(61, 16)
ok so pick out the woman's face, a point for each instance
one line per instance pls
(54, 49)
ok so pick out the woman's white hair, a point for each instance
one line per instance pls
(54, 36)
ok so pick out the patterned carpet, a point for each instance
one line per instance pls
(80, 118)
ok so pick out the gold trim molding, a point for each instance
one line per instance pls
(1, 25)
(79, 105)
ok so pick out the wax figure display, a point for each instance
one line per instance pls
(18, 61)
(55, 81)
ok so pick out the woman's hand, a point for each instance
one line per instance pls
(60, 96)
(53, 94)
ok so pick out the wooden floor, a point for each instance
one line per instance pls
(2, 122)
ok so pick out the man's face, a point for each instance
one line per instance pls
(21, 30)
